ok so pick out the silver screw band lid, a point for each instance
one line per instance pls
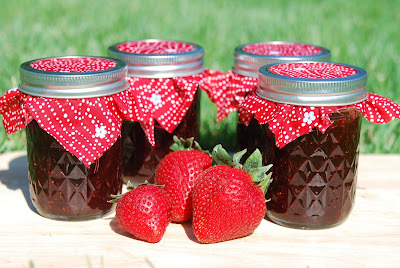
(312, 83)
(250, 57)
(155, 58)
(73, 77)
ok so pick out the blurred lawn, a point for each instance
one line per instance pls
(363, 33)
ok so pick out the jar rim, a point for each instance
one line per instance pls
(310, 91)
(152, 65)
(55, 84)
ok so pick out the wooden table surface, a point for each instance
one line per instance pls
(369, 238)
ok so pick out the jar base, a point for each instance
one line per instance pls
(302, 226)
(75, 218)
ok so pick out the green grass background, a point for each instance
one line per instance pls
(363, 33)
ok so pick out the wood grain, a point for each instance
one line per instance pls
(369, 238)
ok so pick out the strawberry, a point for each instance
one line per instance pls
(178, 171)
(144, 211)
(229, 198)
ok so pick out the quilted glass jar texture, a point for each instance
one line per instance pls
(316, 174)
(62, 187)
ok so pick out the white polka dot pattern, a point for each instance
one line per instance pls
(288, 121)
(157, 47)
(14, 114)
(165, 99)
(85, 127)
(313, 70)
(228, 90)
(73, 64)
(282, 49)
(89, 127)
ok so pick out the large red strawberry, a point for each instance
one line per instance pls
(144, 211)
(178, 171)
(228, 199)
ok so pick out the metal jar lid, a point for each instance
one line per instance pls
(250, 57)
(73, 77)
(312, 83)
(154, 58)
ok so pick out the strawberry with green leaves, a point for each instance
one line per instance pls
(178, 172)
(229, 198)
(144, 211)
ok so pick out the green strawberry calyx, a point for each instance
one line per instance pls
(181, 144)
(129, 187)
(253, 165)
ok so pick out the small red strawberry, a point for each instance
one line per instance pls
(229, 198)
(144, 211)
(178, 172)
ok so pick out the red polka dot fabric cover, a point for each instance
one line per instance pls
(289, 121)
(156, 47)
(228, 90)
(286, 49)
(73, 64)
(89, 127)
(85, 127)
(231, 88)
(313, 70)
(166, 100)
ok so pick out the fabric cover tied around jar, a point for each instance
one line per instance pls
(289, 121)
(164, 76)
(86, 127)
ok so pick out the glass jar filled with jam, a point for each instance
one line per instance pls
(249, 58)
(72, 122)
(164, 77)
(308, 126)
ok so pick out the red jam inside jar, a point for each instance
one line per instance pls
(62, 187)
(140, 157)
(315, 175)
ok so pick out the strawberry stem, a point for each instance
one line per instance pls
(117, 197)
(129, 187)
(264, 184)
(253, 161)
(221, 156)
(253, 165)
(181, 144)
(237, 157)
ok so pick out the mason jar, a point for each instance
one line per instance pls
(249, 58)
(70, 178)
(308, 127)
(151, 62)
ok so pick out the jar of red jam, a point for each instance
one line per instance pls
(164, 77)
(308, 118)
(249, 58)
(309, 128)
(72, 124)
